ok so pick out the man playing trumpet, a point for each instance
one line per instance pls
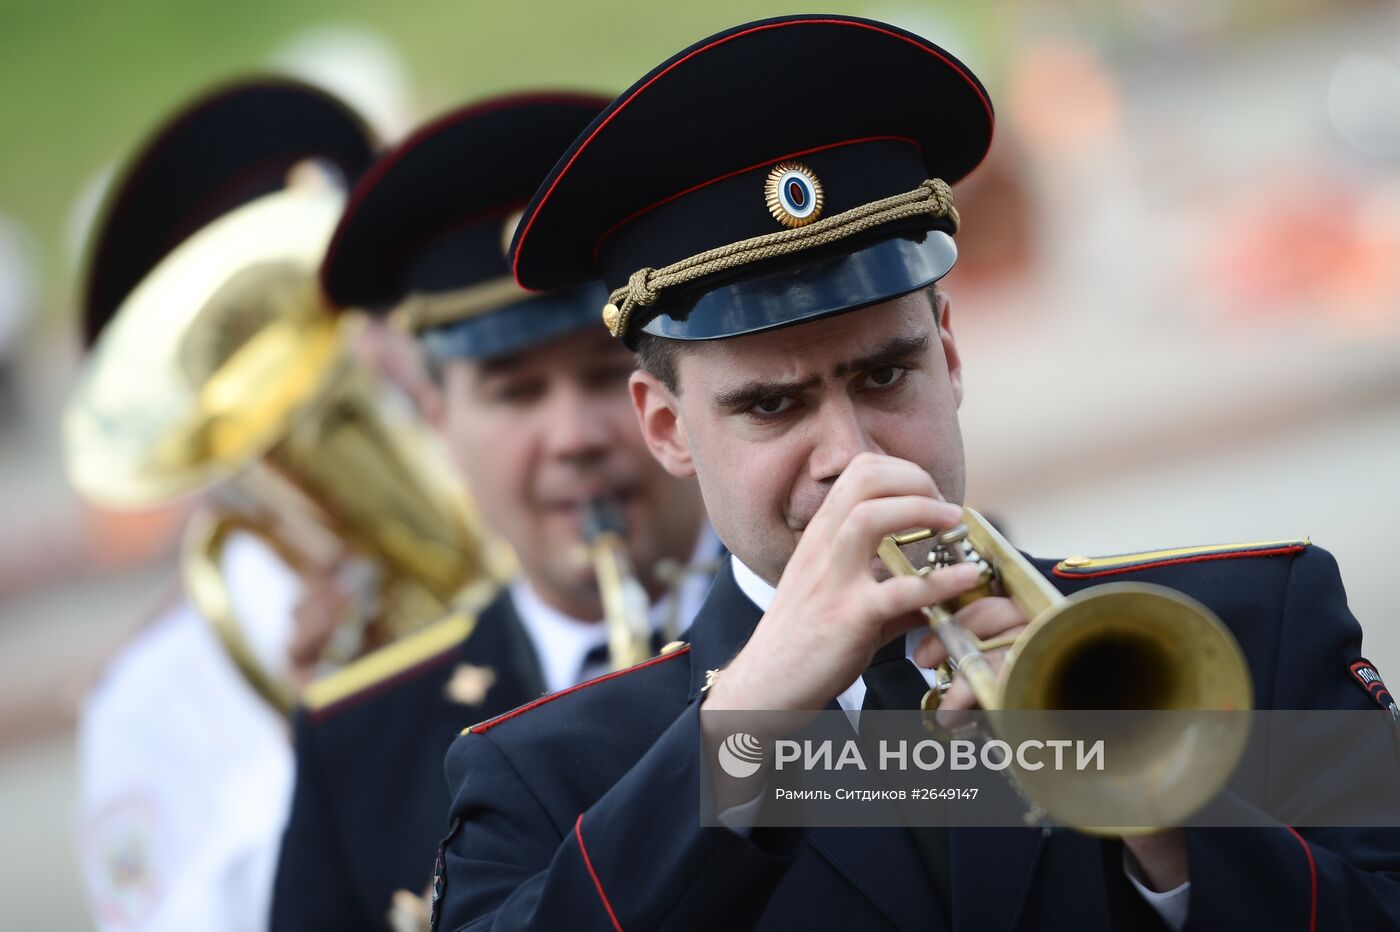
(772, 242)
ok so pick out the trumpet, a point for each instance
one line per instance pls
(1119, 646)
(224, 369)
(626, 606)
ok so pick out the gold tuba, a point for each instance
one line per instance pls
(1120, 646)
(225, 368)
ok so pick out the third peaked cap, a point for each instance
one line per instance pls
(227, 147)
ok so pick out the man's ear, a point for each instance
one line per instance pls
(446, 378)
(658, 413)
(950, 347)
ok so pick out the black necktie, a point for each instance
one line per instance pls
(892, 682)
(598, 654)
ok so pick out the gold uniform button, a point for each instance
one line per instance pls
(1075, 562)
(673, 646)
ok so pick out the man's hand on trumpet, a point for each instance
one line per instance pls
(987, 618)
(831, 614)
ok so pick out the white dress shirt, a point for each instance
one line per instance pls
(1172, 905)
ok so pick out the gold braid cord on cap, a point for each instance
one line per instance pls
(932, 198)
(423, 310)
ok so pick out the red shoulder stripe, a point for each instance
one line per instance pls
(1197, 558)
(353, 699)
(521, 710)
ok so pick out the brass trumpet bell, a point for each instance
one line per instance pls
(1131, 647)
(1115, 647)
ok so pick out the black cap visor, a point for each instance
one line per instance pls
(518, 327)
(810, 286)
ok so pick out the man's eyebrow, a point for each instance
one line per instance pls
(751, 393)
(897, 350)
(499, 365)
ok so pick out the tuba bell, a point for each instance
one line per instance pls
(225, 370)
(1119, 646)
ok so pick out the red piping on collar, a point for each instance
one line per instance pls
(521, 710)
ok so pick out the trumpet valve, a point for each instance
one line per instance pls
(951, 548)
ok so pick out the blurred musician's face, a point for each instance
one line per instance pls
(539, 433)
(768, 421)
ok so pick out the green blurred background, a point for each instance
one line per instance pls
(83, 82)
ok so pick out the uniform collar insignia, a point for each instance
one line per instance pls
(470, 684)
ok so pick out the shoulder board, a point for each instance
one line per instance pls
(1082, 567)
(669, 652)
(391, 662)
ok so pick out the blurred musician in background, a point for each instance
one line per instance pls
(185, 771)
(536, 414)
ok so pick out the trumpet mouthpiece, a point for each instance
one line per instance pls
(601, 516)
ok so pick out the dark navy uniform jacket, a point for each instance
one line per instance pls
(365, 825)
(580, 810)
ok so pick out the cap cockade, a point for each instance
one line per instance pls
(793, 194)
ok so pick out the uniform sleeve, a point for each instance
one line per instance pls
(638, 858)
(1275, 877)
(313, 888)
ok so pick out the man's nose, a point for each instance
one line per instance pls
(840, 437)
(578, 427)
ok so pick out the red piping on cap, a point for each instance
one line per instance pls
(739, 171)
(133, 173)
(515, 265)
(381, 166)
